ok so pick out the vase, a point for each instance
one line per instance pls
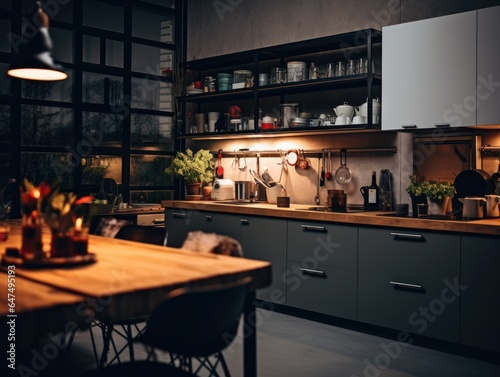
(415, 201)
(60, 245)
(31, 236)
(438, 206)
(193, 188)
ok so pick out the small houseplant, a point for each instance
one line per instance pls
(416, 191)
(194, 168)
(439, 195)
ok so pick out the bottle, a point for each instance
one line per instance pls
(373, 194)
(313, 72)
(495, 177)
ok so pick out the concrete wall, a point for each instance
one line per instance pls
(226, 26)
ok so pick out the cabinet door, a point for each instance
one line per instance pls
(429, 72)
(179, 222)
(409, 281)
(480, 301)
(488, 66)
(265, 239)
(321, 270)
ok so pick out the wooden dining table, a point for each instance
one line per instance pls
(127, 279)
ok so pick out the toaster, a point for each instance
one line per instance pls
(223, 189)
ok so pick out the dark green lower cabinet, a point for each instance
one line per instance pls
(480, 300)
(410, 281)
(321, 268)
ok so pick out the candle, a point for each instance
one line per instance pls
(78, 224)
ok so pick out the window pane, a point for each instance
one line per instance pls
(48, 167)
(103, 16)
(114, 53)
(49, 90)
(153, 26)
(95, 168)
(163, 3)
(4, 79)
(62, 41)
(151, 132)
(147, 170)
(91, 49)
(104, 129)
(151, 60)
(5, 124)
(59, 10)
(150, 196)
(46, 126)
(6, 170)
(151, 94)
(102, 89)
(6, 35)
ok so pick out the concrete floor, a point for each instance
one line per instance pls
(290, 346)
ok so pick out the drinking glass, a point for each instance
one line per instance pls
(340, 69)
(352, 67)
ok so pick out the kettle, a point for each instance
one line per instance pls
(492, 205)
(473, 207)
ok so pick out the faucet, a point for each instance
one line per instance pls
(5, 207)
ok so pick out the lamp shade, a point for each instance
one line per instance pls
(34, 60)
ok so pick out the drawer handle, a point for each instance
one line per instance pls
(179, 215)
(244, 222)
(208, 218)
(313, 272)
(442, 125)
(408, 235)
(314, 228)
(158, 222)
(406, 285)
(409, 126)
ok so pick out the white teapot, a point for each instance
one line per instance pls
(492, 205)
(345, 109)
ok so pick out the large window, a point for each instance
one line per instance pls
(113, 116)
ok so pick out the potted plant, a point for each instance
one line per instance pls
(194, 168)
(439, 195)
(416, 191)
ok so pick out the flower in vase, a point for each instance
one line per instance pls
(62, 211)
(34, 198)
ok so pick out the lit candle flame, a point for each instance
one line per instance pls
(78, 224)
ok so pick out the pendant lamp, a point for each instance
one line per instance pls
(34, 60)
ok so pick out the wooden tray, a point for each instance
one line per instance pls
(76, 260)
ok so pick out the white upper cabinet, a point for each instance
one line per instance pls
(488, 66)
(429, 73)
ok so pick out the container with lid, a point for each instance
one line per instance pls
(239, 78)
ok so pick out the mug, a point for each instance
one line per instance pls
(358, 119)
(342, 119)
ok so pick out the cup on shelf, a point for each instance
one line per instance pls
(361, 69)
(358, 119)
(330, 69)
(200, 122)
(352, 67)
(340, 69)
(213, 117)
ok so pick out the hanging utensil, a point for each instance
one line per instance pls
(343, 175)
(317, 199)
(219, 170)
(328, 174)
(322, 174)
(258, 178)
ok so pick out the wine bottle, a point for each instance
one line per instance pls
(373, 194)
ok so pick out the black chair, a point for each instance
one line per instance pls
(132, 327)
(189, 324)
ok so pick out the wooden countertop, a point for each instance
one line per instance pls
(300, 212)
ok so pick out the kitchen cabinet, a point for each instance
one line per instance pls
(480, 305)
(264, 239)
(488, 66)
(321, 269)
(317, 95)
(429, 73)
(179, 222)
(410, 281)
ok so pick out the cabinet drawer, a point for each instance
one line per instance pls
(328, 244)
(322, 289)
(409, 253)
(432, 310)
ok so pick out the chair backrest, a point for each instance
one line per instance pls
(212, 243)
(142, 233)
(198, 321)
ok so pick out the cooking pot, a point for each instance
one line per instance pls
(492, 205)
(473, 207)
